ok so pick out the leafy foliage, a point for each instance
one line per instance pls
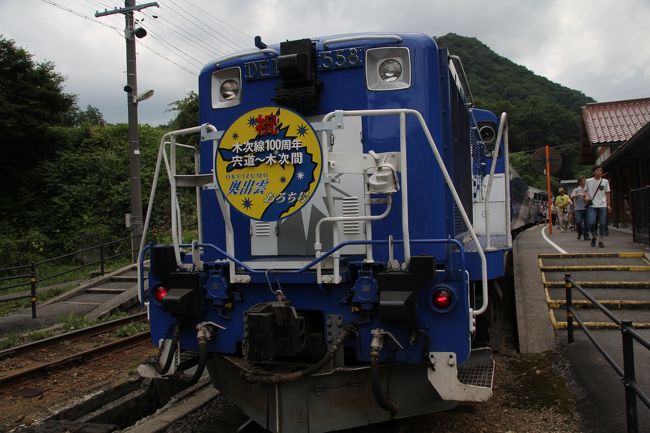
(188, 111)
(32, 103)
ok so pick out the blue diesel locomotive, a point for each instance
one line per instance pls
(353, 208)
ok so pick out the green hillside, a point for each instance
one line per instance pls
(539, 111)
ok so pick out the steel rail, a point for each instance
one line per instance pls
(84, 332)
(84, 356)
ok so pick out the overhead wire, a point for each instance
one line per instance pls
(175, 32)
(178, 37)
(550, 147)
(195, 62)
(246, 35)
(117, 30)
(168, 59)
(186, 34)
(79, 14)
(209, 29)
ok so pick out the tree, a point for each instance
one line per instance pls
(92, 116)
(188, 111)
(32, 105)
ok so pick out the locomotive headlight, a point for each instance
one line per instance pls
(226, 88)
(229, 90)
(388, 68)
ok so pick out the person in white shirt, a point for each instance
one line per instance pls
(600, 203)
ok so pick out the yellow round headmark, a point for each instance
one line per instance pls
(268, 163)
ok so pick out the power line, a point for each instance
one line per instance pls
(196, 62)
(208, 28)
(79, 14)
(550, 147)
(249, 37)
(117, 30)
(189, 36)
(168, 59)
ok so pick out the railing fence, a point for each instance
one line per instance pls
(640, 209)
(627, 373)
(28, 275)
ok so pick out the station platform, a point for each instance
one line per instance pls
(618, 275)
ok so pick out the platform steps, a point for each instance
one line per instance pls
(619, 281)
(105, 289)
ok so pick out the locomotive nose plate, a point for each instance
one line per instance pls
(268, 163)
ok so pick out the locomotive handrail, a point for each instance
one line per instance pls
(503, 126)
(318, 245)
(244, 54)
(395, 38)
(402, 112)
(465, 84)
(332, 251)
(141, 253)
(162, 155)
(338, 114)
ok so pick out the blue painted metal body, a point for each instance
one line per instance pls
(433, 229)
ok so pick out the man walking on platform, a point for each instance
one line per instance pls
(578, 195)
(600, 203)
(562, 202)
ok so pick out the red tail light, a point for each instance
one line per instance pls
(442, 298)
(160, 292)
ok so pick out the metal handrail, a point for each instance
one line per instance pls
(33, 276)
(371, 37)
(13, 268)
(326, 125)
(402, 112)
(306, 267)
(627, 373)
(228, 58)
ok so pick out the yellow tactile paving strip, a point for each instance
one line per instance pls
(556, 305)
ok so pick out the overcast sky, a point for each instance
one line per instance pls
(599, 47)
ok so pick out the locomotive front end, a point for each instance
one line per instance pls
(330, 268)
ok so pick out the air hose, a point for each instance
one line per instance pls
(375, 349)
(273, 379)
(203, 335)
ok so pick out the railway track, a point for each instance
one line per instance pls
(41, 357)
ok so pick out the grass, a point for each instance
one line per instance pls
(12, 340)
(131, 329)
(73, 322)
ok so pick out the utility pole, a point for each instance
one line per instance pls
(131, 89)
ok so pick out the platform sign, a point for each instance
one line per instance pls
(268, 163)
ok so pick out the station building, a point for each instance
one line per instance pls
(616, 135)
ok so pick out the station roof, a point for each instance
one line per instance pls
(615, 122)
(610, 124)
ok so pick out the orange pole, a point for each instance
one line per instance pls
(548, 186)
